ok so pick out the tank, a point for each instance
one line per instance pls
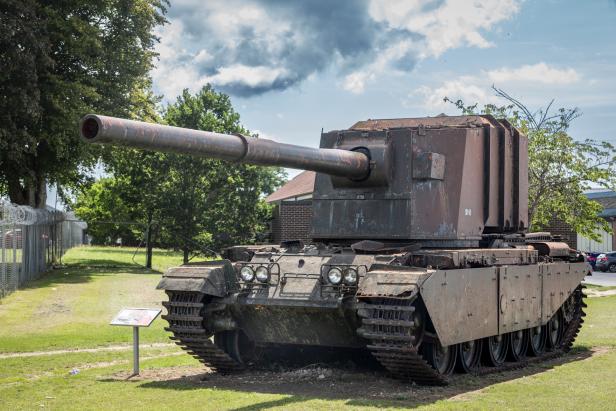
(420, 258)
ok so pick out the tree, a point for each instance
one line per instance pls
(561, 168)
(138, 173)
(103, 207)
(61, 60)
(211, 202)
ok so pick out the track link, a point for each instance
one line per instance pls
(389, 326)
(573, 327)
(185, 311)
(391, 335)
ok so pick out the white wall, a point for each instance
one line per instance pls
(602, 246)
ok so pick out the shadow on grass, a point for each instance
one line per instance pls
(76, 274)
(129, 251)
(360, 387)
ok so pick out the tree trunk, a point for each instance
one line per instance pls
(32, 192)
(186, 254)
(148, 243)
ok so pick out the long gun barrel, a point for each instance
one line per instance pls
(110, 130)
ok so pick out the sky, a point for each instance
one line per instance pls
(293, 68)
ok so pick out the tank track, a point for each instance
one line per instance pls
(185, 314)
(392, 344)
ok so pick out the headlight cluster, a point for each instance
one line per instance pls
(248, 275)
(346, 275)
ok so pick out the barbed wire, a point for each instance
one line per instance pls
(23, 215)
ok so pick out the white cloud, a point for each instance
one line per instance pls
(355, 82)
(259, 76)
(248, 47)
(446, 25)
(436, 27)
(465, 88)
(539, 73)
(473, 89)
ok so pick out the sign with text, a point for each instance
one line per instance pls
(135, 317)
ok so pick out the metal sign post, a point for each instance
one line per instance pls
(135, 317)
(135, 350)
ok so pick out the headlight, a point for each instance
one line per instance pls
(334, 276)
(262, 274)
(350, 276)
(247, 274)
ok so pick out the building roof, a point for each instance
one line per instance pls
(607, 199)
(608, 212)
(600, 193)
(300, 185)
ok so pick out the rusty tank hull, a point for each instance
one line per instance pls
(420, 258)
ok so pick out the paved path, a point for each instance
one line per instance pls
(603, 279)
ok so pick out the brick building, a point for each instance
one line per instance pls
(293, 215)
(293, 212)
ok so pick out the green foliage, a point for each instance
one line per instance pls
(61, 60)
(561, 168)
(107, 214)
(212, 200)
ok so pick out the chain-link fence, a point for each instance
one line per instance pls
(31, 240)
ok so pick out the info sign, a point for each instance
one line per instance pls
(135, 317)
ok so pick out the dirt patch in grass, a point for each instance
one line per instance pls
(190, 373)
(592, 292)
(84, 350)
(343, 382)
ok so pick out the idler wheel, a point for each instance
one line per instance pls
(537, 340)
(518, 343)
(442, 359)
(495, 350)
(469, 356)
(554, 329)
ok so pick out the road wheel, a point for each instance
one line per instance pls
(518, 343)
(537, 341)
(554, 329)
(495, 350)
(442, 359)
(612, 268)
(469, 355)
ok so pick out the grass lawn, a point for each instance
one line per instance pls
(70, 309)
(600, 287)
(120, 257)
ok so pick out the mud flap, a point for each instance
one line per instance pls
(215, 278)
(385, 280)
